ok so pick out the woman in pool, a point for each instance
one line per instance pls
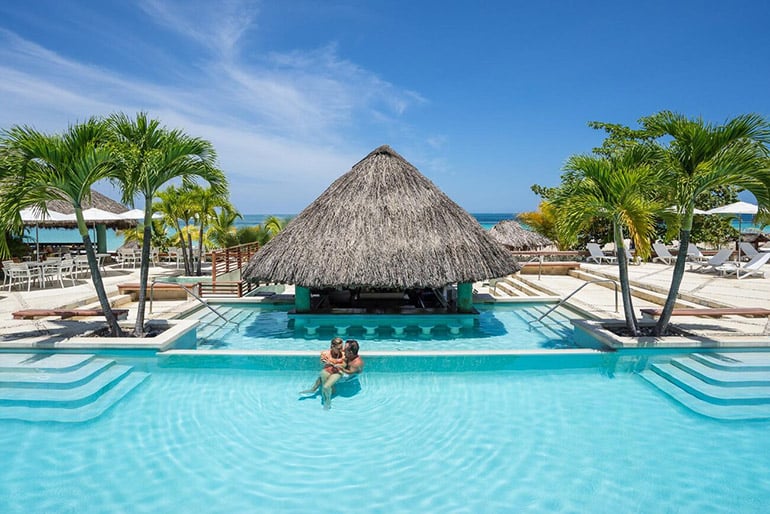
(330, 360)
(353, 365)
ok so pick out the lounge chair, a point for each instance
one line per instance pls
(714, 263)
(753, 267)
(694, 254)
(663, 255)
(748, 250)
(597, 255)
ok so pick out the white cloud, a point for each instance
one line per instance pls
(284, 124)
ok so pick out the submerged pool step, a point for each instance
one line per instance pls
(704, 408)
(50, 362)
(736, 386)
(78, 414)
(62, 387)
(735, 361)
(47, 378)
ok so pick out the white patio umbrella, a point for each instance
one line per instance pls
(34, 216)
(675, 208)
(138, 214)
(736, 209)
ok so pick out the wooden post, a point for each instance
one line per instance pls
(101, 238)
(301, 299)
(464, 297)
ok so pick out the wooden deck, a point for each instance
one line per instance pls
(66, 313)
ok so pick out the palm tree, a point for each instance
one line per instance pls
(222, 231)
(206, 201)
(61, 167)
(150, 156)
(619, 189)
(702, 157)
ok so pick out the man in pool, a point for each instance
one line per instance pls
(353, 365)
(330, 359)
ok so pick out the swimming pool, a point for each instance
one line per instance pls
(499, 327)
(589, 438)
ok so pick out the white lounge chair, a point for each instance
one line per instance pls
(714, 263)
(597, 255)
(748, 250)
(663, 255)
(694, 254)
(753, 267)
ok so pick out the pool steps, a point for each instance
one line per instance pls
(725, 386)
(62, 387)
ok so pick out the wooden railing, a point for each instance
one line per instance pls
(226, 261)
(231, 288)
(231, 259)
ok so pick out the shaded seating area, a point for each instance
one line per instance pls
(382, 301)
(66, 313)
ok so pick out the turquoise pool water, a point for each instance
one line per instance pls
(593, 438)
(500, 327)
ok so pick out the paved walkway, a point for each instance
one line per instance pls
(705, 289)
(594, 299)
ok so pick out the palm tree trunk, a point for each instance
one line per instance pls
(190, 261)
(144, 272)
(676, 282)
(200, 250)
(625, 286)
(96, 277)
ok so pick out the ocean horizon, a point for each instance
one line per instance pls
(114, 240)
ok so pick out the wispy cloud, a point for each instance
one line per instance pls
(287, 119)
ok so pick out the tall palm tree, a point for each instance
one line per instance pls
(150, 156)
(702, 157)
(178, 212)
(61, 167)
(618, 189)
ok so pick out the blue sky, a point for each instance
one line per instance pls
(485, 98)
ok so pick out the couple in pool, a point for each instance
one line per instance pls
(338, 364)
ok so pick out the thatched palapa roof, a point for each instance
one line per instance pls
(381, 225)
(511, 234)
(97, 200)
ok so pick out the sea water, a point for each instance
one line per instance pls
(115, 238)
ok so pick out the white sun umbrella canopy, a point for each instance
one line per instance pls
(138, 214)
(35, 216)
(736, 209)
(675, 208)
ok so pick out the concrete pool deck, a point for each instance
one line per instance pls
(596, 300)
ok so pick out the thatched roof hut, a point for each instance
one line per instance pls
(381, 225)
(511, 234)
(97, 200)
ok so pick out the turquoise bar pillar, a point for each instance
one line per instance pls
(465, 297)
(101, 238)
(301, 299)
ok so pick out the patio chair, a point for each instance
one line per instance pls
(747, 250)
(127, 256)
(18, 272)
(597, 255)
(753, 267)
(713, 264)
(663, 255)
(694, 254)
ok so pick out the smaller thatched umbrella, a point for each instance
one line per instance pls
(511, 234)
(97, 204)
